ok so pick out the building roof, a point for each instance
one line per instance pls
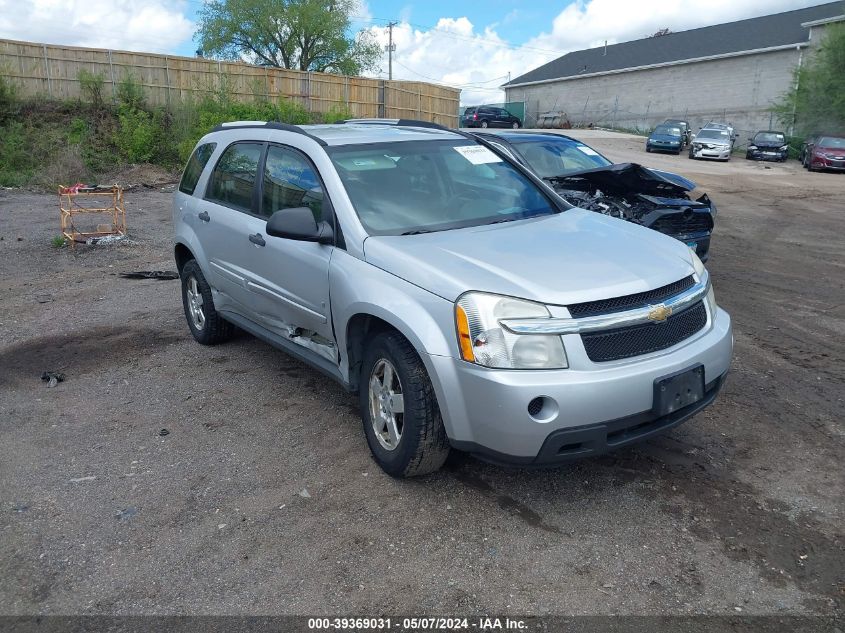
(766, 32)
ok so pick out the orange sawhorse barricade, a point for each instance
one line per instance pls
(80, 200)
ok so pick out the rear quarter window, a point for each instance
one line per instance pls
(193, 170)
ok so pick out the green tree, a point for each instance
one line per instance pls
(300, 34)
(816, 102)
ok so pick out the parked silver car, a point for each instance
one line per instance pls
(465, 303)
(712, 143)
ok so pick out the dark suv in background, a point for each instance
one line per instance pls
(489, 116)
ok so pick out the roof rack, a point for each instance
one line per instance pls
(402, 122)
(273, 125)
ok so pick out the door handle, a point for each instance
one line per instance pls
(257, 239)
(203, 215)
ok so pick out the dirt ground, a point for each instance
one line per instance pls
(738, 511)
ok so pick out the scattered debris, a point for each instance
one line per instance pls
(163, 433)
(151, 274)
(43, 298)
(220, 526)
(304, 493)
(77, 480)
(126, 513)
(105, 239)
(21, 507)
(52, 378)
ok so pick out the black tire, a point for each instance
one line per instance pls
(515, 125)
(647, 149)
(423, 445)
(484, 124)
(215, 329)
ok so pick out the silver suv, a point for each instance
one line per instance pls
(466, 304)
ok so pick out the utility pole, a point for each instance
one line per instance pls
(390, 48)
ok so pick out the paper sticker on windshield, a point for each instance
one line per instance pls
(477, 154)
(589, 151)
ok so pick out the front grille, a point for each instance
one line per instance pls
(644, 339)
(629, 302)
(683, 223)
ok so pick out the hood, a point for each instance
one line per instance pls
(626, 178)
(777, 144)
(712, 141)
(560, 259)
(664, 137)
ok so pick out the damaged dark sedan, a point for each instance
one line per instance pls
(584, 178)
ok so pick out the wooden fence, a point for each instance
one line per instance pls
(52, 71)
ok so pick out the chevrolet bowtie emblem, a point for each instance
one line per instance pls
(659, 313)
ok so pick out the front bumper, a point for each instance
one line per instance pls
(718, 153)
(699, 241)
(657, 146)
(766, 154)
(486, 410)
(823, 162)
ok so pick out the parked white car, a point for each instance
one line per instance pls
(715, 143)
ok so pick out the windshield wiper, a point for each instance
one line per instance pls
(416, 232)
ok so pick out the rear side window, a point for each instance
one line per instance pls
(194, 168)
(233, 179)
(290, 181)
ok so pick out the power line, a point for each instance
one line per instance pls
(442, 83)
(471, 38)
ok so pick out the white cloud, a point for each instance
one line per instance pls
(138, 25)
(458, 53)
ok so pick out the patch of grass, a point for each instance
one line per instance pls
(58, 241)
(48, 143)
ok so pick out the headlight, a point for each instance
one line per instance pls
(482, 340)
(783, 148)
(696, 145)
(752, 147)
(701, 272)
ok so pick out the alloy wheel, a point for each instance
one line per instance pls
(195, 302)
(387, 404)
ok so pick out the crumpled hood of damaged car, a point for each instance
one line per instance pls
(626, 178)
(559, 259)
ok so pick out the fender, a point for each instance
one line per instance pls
(425, 319)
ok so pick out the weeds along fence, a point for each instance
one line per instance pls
(45, 70)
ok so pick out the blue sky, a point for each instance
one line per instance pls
(516, 22)
(472, 45)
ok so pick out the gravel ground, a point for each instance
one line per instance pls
(738, 511)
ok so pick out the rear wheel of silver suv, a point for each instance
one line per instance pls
(206, 324)
(399, 409)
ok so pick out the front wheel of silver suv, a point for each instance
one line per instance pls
(399, 409)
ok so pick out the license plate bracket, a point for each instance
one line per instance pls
(678, 390)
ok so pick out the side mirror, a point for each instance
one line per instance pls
(298, 223)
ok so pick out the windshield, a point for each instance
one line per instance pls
(769, 137)
(714, 134)
(422, 186)
(668, 130)
(552, 157)
(831, 141)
